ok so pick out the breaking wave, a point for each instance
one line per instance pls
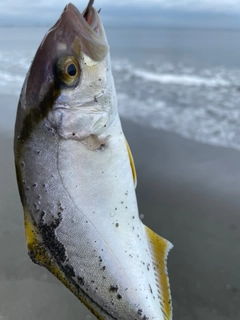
(182, 80)
(202, 105)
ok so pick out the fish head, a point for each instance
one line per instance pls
(69, 84)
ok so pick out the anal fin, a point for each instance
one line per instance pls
(159, 248)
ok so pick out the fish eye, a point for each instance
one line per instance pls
(72, 70)
(68, 70)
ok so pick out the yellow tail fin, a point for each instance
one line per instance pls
(159, 248)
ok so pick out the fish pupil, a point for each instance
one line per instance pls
(72, 70)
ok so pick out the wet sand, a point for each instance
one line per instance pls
(188, 192)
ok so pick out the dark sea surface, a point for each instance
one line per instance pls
(179, 97)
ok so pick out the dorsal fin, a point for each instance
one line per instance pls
(159, 249)
(134, 173)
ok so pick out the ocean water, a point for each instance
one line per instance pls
(179, 80)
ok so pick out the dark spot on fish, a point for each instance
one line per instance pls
(73, 134)
(50, 239)
(140, 312)
(119, 296)
(69, 271)
(150, 289)
(81, 281)
(113, 288)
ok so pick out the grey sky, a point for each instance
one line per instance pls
(196, 13)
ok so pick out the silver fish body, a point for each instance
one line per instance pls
(77, 179)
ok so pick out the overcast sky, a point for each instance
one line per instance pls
(196, 13)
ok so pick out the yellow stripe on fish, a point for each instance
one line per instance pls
(134, 172)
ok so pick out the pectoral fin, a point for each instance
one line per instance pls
(159, 248)
(134, 173)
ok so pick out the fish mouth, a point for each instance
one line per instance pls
(90, 16)
(89, 28)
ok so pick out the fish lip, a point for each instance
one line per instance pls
(88, 28)
(89, 18)
(90, 15)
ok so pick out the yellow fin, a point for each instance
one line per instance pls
(159, 248)
(40, 255)
(134, 173)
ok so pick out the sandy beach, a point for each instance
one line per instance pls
(188, 193)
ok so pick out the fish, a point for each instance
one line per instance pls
(76, 178)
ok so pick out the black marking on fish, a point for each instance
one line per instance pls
(50, 239)
(38, 113)
(81, 280)
(34, 116)
(113, 288)
(69, 271)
